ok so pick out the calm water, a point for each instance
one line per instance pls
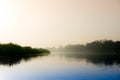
(59, 67)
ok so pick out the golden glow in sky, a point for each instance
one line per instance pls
(45, 23)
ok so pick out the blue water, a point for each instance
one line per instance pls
(56, 67)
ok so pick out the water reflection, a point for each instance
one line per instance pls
(97, 60)
(13, 60)
(58, 66)
(105, 60)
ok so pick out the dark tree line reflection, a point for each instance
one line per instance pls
(107, 60)
(13, 60)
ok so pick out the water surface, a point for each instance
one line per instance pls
(59, 67)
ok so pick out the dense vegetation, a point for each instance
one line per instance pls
(11, 49)
(11, 54)
(105, 52)
(99, 45)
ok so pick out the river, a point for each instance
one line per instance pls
(59, 67)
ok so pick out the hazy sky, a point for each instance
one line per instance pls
(46, 23)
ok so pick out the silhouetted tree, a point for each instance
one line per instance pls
(11, 49)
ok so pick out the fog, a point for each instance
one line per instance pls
(47, 23)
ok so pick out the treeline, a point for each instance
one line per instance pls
(103, 52)
(11, 49)
(99, 46)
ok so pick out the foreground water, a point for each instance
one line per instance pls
(57, 67)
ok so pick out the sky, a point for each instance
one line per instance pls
(47, 23)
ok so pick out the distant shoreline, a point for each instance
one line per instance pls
(95, 48)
